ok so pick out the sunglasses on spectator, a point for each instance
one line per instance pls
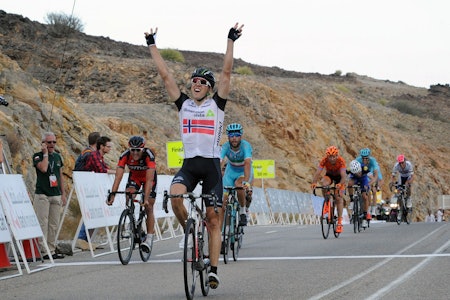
(201, 81)
(234, 134)
(50, 142)
(136, 149)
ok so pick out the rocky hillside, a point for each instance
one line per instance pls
(80, 83)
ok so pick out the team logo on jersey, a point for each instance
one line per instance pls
(210, 113)
(198, 126)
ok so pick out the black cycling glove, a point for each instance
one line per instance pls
(150, 38)
(234, 34)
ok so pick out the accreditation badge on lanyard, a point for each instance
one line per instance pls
(52, 178)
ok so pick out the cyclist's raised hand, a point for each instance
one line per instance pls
(150, 37)
(235, 32)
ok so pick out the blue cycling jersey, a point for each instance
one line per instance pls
(372, 165)
(236, 161)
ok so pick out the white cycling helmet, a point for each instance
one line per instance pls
(355, 167)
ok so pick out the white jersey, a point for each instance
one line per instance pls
(201, 126)
(407, 171)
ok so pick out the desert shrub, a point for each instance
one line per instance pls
(244, 70)
(62, 24)
(407, 108)
(337, 73)
(343, 88)
(172, 55)
(383, 101)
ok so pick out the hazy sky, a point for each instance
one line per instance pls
(397, 40)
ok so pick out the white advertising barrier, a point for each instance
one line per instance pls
(19, 212)
(92, 192)
(5, 235)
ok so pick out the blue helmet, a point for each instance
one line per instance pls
(235, 127)
(364, 152)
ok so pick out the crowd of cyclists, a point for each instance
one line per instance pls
(364, 171)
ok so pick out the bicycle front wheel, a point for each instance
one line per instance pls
(226, 234)
(189, 260)
(203, 246)
(325, 220)
(239, 236)
(408, 215)
(125, 236)
(142, 233)
(356, 226)
(400, 210)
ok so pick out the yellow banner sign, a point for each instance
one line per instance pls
(175, 154)
(264, 169)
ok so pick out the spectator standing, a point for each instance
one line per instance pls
(49, 194)
(95, 163)
(430, 217)
(439, 215)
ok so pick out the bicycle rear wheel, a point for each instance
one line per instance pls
(125, 236)
(226, 234)
(204, 247)
(325, 219)
(142, 233)
(190, 273)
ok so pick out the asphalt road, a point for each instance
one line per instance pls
(386, 261)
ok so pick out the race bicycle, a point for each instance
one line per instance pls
(403, 213)
(131, 232)
(232, 232)
(328, 218)
(196, 263)
(358, 215)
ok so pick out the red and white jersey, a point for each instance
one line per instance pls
(201, 126)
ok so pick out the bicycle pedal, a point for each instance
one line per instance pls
(199, 265)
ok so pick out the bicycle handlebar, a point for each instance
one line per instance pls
(326, 187)
(235, 188)
(191, 196)
(122, 192)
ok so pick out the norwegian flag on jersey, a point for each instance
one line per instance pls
(198, 126)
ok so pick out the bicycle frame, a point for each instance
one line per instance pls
(330, 220)
(195, 262)
(357, 208)
(137, 234)
(401, 201)
(231, 230)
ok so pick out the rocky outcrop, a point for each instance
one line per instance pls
(85, 83)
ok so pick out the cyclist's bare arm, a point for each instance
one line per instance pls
(149, 177)
(163, 71)
(115, 187)
(223, 88)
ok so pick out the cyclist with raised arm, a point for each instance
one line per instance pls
(332, 169)
(237, 154)
(366, 159)
(201, 124)
(360, 175)
(142, 166)
(403, 173)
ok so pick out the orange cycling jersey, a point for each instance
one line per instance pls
(332, 169)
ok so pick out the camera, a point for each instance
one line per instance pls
(3, 101)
